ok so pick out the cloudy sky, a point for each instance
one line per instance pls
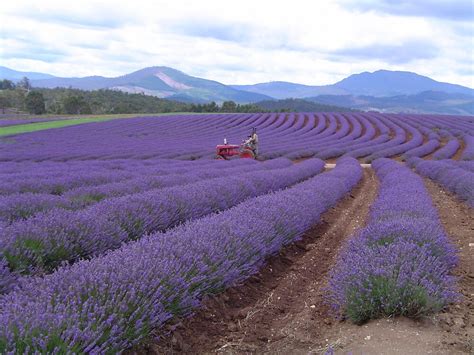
(244, 41)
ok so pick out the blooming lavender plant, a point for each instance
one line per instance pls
(400, 128)
(20, 206)
(41, 243)
(447, 173)
(401, 262)
(7, 279)
(425, 149)
(448, 150)
(111, 302)
(468, 153)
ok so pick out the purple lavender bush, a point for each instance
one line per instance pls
(111, 302)
(41, 243)
(19, 206)
(466, 165)
(458, 180)
(399, 264)
(425, 149)
(448, 150)
(7, 279)
(468, 153)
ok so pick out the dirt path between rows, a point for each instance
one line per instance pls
(281, 310)
(457, 218)
(449, 332)
(332, 166)
(458, 154)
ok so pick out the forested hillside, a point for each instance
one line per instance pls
(22, 98)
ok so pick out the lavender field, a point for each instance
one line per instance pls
(110, 231)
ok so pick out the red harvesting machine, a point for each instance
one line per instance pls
(228, 151)
(247, 149)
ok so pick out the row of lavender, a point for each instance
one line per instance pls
(401, 262)
(457, 177)
(324, 135)
(18, 206)
(57, 178)
(113, 301)
(42, 243)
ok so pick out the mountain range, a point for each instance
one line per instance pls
(161, 82)
(424, 102)
(378, 83)
(383, 90)
(14, 75)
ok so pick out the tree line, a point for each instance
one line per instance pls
(21, 97)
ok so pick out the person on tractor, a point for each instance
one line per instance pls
(252, 142)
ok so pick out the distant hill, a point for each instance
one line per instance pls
(299, 105)
(424, 102)
(379, 83)
(14, 75)
(161, 82)
(284, 90)
(391, 83)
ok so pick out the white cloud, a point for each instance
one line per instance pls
(238, 42)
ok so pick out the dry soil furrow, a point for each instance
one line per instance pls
(449, 332)
(458, 220)
(458, 154)
(280, 310)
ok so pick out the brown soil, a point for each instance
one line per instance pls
(458, 154)
(332, 166)
(458, 220)
(398, 158)
(281, 309)
(299, 160)
(425, 138)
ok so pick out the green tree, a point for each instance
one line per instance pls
(75, 105)
(5, 101)
(17, 98)
(211, 107)
(229, 106)
(34, 103)
(24, 84)
(6, 84)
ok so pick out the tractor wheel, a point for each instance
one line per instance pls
(220, 157)
(247, 154)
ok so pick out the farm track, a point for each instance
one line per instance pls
(281, 309)
(449, 332)
(457, 219)
(458, 154)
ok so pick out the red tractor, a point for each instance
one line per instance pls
(247, 149)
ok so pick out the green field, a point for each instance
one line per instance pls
(63, 121)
